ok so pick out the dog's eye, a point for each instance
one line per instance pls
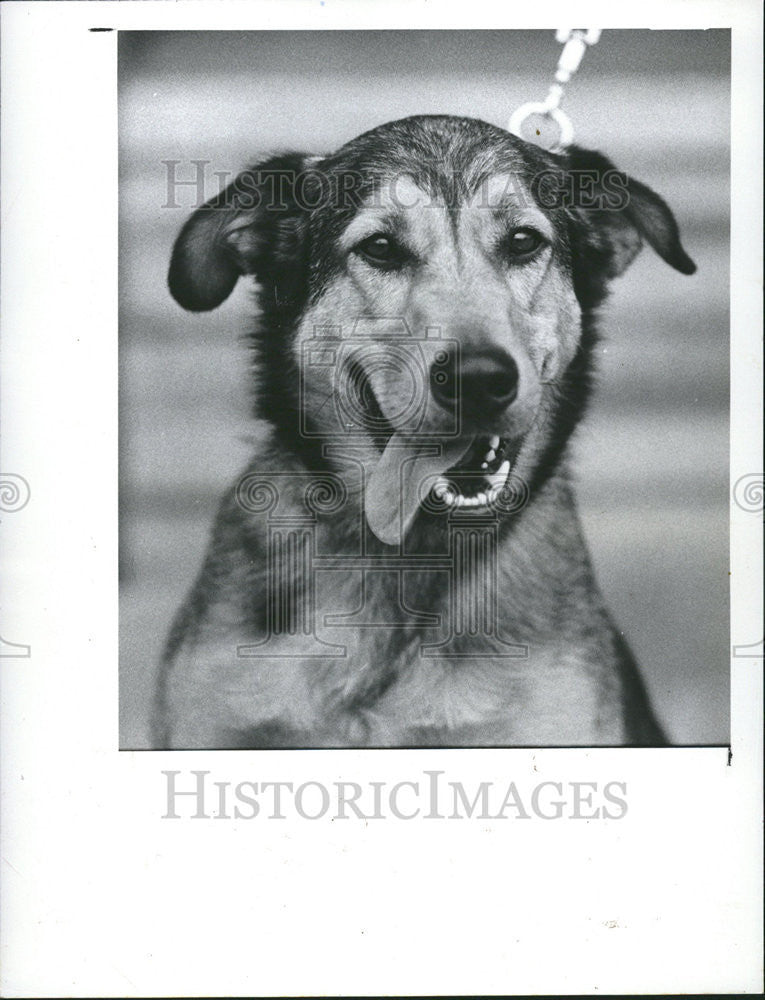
(381, 251)
(523, 243)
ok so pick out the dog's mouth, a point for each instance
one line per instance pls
(478, 479)
(468, 473)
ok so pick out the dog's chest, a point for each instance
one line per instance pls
(432, 655)
(319, 642)
(550, 696)
(387, 657)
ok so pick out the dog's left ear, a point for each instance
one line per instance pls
(611, 214)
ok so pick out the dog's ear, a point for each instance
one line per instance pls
(611, 214)
(250, 228)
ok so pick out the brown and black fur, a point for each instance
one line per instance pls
(577, 683)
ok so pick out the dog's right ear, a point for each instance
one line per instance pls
(246, 229)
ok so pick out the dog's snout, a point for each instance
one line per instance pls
(485, 381)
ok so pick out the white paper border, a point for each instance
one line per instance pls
(101, 897)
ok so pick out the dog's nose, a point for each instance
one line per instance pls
(487, 383)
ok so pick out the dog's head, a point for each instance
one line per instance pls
(423, 290)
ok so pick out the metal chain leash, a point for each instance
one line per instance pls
(575, 42)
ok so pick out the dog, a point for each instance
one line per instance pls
(401, 564)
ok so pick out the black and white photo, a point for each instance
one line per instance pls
(431, 307)
(381, 498)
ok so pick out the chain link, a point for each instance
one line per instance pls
(575, 42)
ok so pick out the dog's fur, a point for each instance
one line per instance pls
(449, 191)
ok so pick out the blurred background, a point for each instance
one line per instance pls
(652, 456)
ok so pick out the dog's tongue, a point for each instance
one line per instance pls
(394, 489)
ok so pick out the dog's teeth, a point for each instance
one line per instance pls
(484, 465)
(489, 457)
(494, 441)
(451, 498)
(499, 478)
